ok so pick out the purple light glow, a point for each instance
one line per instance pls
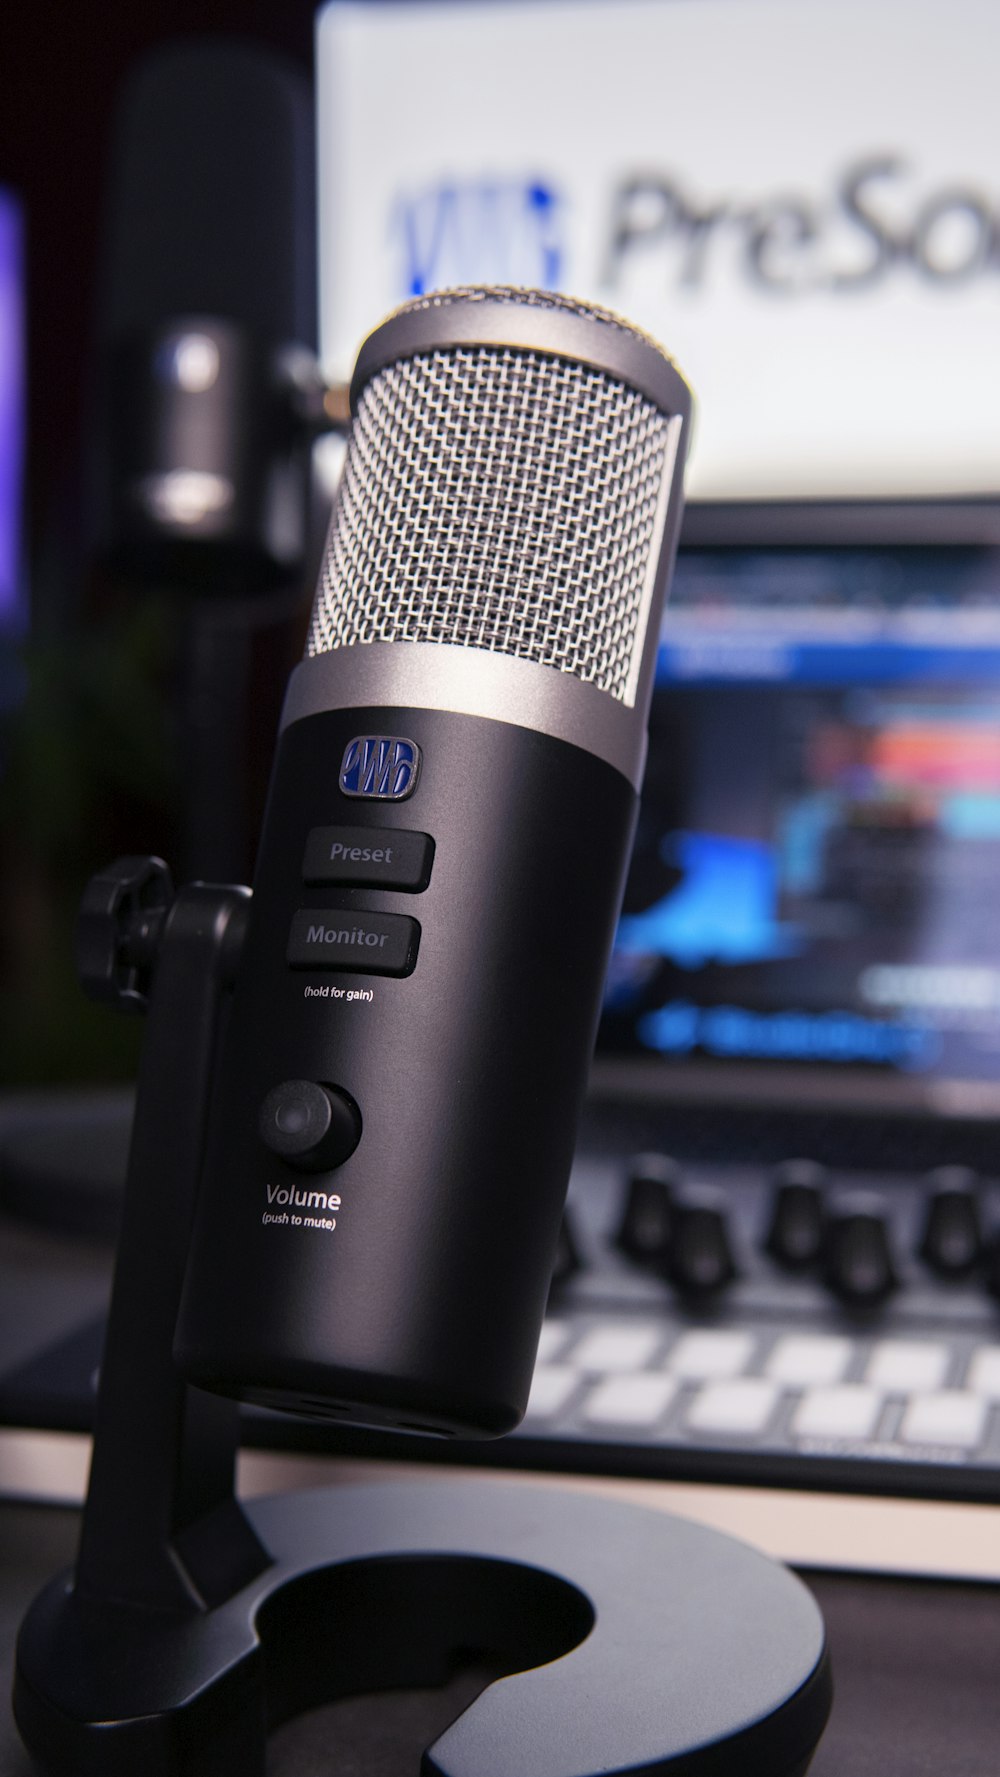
(11, 407)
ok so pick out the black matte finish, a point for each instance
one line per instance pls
(211, 232)
(951, 1242)
(798, 1215)
(189, 1627)
(644, 1231)
(567, 1260)
(421, 1308)
(207, 488)
(162, 1464)
(118, 929)
(699, 1259)
(636, 1643)
(857, 1259)
(212, 200)
(364, 858)
(353, 943)
(309, 1126)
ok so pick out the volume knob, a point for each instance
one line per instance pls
(567, 1255)
(310, 1126)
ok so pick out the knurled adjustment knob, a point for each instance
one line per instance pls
(794, 1237)
(951, 1241)
(643, 1233)
(857, 1255)
(699, 1261)
(310, 1126)
(118, 930)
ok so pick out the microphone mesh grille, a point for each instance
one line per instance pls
(497, 499)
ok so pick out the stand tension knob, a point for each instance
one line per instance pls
(118, 932)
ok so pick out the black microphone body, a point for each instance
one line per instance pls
(440, 872)
(423, 1261)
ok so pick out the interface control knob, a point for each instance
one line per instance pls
(699, 1261)
(567, 1259)
(644, 1230)
(795, 1232)
(991, 1265)
(951, 1243)
(311, 1127)
(857, 1256)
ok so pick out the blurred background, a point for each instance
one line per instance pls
(203, 210)
(802, 204)
(780, 1262)
(92, 656)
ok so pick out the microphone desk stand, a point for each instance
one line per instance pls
(192, 1624)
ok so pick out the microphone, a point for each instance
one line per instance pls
(210, 395)
(211, 391)
(440, 871)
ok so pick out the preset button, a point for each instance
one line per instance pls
(373, 857)
(362, 942)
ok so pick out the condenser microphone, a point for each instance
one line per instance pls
(440, 872)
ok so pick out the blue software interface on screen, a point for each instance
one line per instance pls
(816, 877)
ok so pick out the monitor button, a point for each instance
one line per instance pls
(356, 941)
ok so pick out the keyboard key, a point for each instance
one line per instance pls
(907, 1366)
(616, 1348)
(984, 1372)
(848, 1410)
(551, 1387)
(740, 1407)
(630, 1400)
(952, 1417)
(710, 1356)
(808, 1360)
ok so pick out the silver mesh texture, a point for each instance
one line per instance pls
(553, 300)
(500, 500)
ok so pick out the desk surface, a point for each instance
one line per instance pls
(915, 1659)
(915, 1665)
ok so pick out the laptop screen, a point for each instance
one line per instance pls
(815, 891)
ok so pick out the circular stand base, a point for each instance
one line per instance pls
(634, 1642)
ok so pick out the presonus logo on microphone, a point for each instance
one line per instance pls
(504, 231)
(380, 766)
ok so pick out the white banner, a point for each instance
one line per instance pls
(799, 198)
